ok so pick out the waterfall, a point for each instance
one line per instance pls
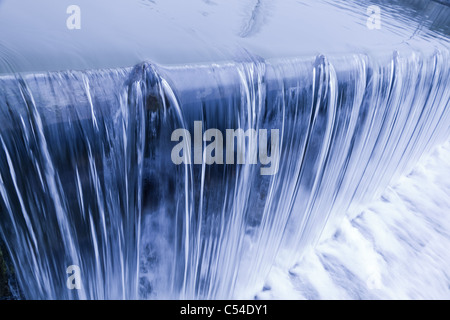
(87, 179)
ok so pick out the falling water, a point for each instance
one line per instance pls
(86, 176)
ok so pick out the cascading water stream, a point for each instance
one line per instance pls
(87, 178)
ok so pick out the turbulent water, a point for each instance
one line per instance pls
(396, 247)
(87, 179)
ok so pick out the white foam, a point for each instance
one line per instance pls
(397, 248)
